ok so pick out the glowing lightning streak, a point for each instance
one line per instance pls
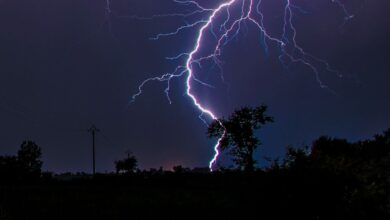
(230, 29)
(189, 77)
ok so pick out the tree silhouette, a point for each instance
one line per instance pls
(360, 169)
(127, 165)
(238, 134)
(297, 159)
(29, 157)
(181, 169)
(9, 168)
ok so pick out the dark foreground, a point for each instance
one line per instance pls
(261, 195)
(335, 179)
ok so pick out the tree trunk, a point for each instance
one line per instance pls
(250, 163)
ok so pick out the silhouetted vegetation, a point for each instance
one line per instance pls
(330, 179)
(25, 166)
(238, 134)
(363, 168)
(180, 169)
(127, 165)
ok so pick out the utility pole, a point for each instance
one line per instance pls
(93, 131)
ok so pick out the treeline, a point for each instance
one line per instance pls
(361, 171)
(330, 179)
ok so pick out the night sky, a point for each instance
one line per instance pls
(68, 64)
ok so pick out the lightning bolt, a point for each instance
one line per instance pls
(225, 26)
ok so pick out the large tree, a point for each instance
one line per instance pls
(238, 134)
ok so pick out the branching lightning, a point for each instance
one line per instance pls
(225, 26)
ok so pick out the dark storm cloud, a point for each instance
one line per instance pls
(65, 65)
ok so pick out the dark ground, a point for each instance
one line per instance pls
(275, 195)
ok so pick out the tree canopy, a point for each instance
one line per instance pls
(237, 134)
(127, 165)
(29, 157)
(26, 165)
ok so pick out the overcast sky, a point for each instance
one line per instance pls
(68, 64)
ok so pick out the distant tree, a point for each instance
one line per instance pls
(181, 169)
(238, 134)
(297, 158)
(334, 154)
(127, 165)
(29, 157)
(178, 169)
